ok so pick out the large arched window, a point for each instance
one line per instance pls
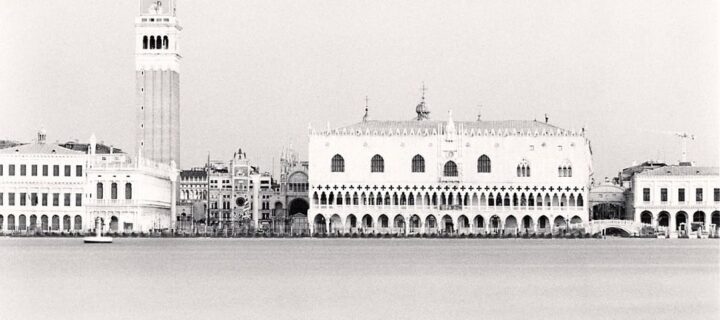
(128, 191)
(158, 42)
(337, 164)
(100, 190)
(450, 169)
(523, 168)
(145, 42)
(418, 163)
(152, 42)
(377, 164)
(483, 164)
(165, 42)
(113, 191)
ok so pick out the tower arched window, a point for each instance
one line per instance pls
(158, 42)
(145, 42)
(483, 164)
(152, 42)
(377, 164)
(337, 164)
(165, 42)
(523, 168)
(418, 163)
(450, 169)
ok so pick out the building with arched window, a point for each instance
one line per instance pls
(430, 176)
(51, 187)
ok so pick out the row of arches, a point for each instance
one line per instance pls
(430, 223)
(22, 222)
(455, 199)
(155, 42)
(681, 218)
(417, 164)
(193, 194)
(114, 191)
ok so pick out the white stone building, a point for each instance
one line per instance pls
(679, 198)
(447, 176)
(49, 187)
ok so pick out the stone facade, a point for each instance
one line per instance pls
(446, 176)
(684, 200)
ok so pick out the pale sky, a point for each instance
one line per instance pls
(255, 73)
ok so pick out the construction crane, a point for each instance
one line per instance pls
(684, 136)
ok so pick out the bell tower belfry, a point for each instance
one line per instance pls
(157, 74)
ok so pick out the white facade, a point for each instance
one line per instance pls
(49, 188)
(674, 197)
(36, 182)
(540, 173)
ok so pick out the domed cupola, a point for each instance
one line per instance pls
(423, 113)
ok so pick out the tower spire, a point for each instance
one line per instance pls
(366, 116)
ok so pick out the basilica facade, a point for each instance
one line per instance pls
(460, 177)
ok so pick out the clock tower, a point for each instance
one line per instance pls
(157, 74)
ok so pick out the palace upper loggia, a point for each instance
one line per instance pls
(429, 176)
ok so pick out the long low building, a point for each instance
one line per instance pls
(681, 199)
(51, 187)
(423, 176)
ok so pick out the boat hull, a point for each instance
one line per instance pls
(97, 240)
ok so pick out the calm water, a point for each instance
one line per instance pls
(359, 279)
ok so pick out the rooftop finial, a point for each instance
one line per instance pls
(42, 135)
(546, 118)
(366, 116)
(422, 111)
(479, 115)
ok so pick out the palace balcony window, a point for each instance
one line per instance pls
(483, 164)
(56, 199)
(78, 171)
(66, 199)
(337, 164)
(23, 170)
(377, 164)
(113, 191)
(663, 194)
(33, 170)
(67, 171)
(681, 195)
(78, 199)
(646, 194)
(11, 170)
(716, 194)
(523, 169)
(418, 163)
(56, 170)
(450, 169)
(699, 194)
(45, 170)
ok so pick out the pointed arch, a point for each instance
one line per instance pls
(483, 164)
(450, 169)
(337, 163)
(418, 163)
(377, 164)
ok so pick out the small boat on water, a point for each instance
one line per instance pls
(98, 237)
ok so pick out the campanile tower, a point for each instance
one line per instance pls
(157, 74)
